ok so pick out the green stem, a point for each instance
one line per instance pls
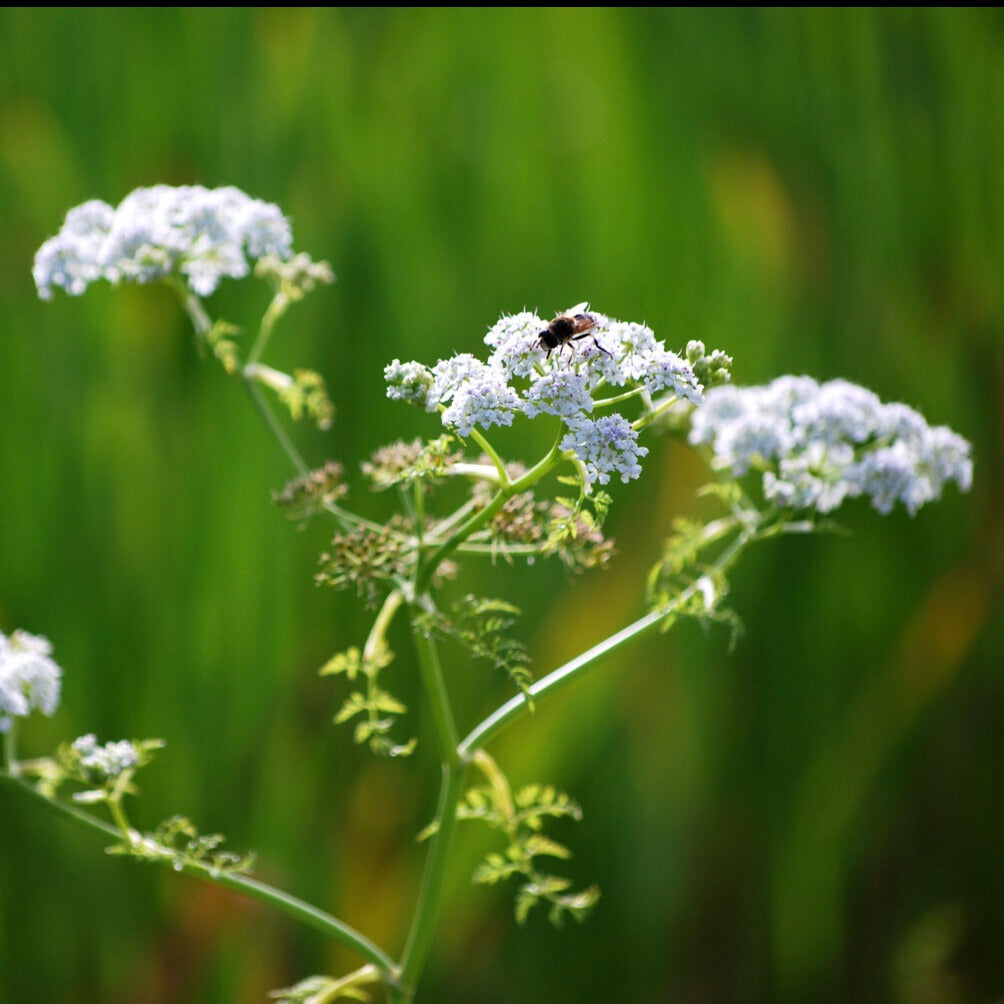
(275, 426)
(375, 642)
(626, 396)
(10, 749)
(378, 632)
(449, 522)
(299, 909)
(435, 689)
(419, 511)
(479, 472)
(549, 461)
(649, 417)
(478, 438)
(430, 898)
(197, 313)
(126, 832)
(203, 324)
(514, 708)
(336, 991)
(506, 550)
(347, 518)
(274, 311)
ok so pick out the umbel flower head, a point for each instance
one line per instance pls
(29, 679)
(524, 376)
(818, 444)
(99, 763)
(200, 234)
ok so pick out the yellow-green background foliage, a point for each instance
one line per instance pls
(815, 816)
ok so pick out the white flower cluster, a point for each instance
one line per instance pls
(202, 234)
(608, 445)
(29, 679)
(104, 762)
(819, 444)
(520, 378)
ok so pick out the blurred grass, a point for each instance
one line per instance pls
(816, 816)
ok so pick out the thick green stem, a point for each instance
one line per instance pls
(300, 910)
(550, 460)
(435, 690)
(430, 898)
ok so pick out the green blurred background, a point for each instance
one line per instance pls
(816, 816)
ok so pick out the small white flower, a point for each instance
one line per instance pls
(202, 234)
(667, 371)
(516, 341)
(29, 678)
(104, 762)
(449, 375)
(608, 445)
(408, 382)
(562, 392)
(837, 411)
(744, 426)
(819, 444)
(815, 478)
(521, 377)
(484, 401)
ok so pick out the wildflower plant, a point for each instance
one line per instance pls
(782, 459)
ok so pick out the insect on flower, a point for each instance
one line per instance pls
(568, 328)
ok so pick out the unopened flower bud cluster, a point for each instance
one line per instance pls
(201, 234)
(819, 444)
(521, 378)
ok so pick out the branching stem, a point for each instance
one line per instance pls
(299, 909)
(515, 707)
(478, 519)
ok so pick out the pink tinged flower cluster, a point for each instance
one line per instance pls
(29, 679)
(202, 235)
(819, 444)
